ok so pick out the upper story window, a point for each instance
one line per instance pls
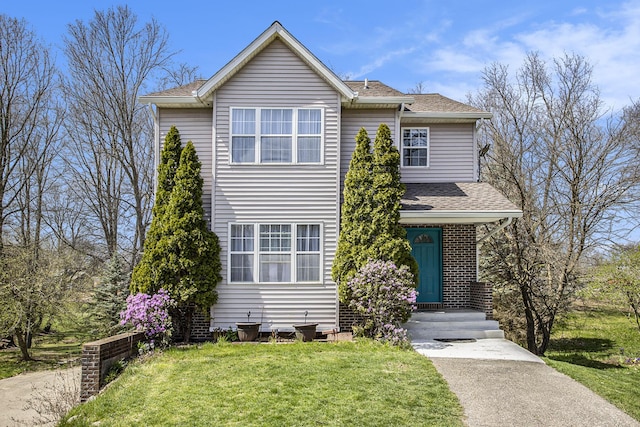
(276, 135)
(415, 147)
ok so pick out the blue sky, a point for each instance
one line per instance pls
(444, 44)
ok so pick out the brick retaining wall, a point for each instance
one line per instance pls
(98, 356)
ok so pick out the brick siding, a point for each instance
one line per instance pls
(482, 298)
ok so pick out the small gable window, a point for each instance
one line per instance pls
(276, 135)
(423, 238)
(415, 147)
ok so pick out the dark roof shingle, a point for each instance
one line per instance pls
(459, 196)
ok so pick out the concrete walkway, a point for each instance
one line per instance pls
(501, 384)
(15, 393)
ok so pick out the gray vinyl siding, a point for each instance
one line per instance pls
(276, 194)
(194, 124)
(352, 121)
(451, 158)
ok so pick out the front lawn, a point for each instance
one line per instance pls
(298, 384)
(598, 346)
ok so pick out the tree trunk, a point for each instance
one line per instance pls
(22, 344)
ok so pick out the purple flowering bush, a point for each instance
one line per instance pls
(384, 296)
(150, 315)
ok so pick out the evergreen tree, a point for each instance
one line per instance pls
(110, 298)
(390, 243)
(356, 231)
(144, 277)
(370, 213)
(189, 267)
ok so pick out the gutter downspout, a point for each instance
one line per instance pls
(398, 126)
(156, 145)
(484, 238)
(196, 96)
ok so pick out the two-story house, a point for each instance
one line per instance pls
(274, 130)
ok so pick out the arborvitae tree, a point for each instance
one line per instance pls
(145, 275)
(110, 298)
(356, 231)
(390, 243)
(189, 254)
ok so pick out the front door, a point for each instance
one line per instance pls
(426, 248)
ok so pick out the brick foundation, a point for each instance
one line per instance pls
(98, 356)
(199, 326)
(347, 317)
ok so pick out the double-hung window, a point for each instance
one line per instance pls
(276, 135)
(415, 147)
(278, 253)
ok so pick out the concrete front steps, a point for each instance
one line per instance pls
(451, 325)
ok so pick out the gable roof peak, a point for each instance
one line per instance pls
(275, 31)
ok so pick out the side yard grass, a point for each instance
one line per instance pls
(49, 351)
(599, 346)
(337, 384)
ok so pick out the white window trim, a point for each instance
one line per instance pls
(428, 147)
(294, 136)
(293, 252)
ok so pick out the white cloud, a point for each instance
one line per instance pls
(609, 40)
(379, 62)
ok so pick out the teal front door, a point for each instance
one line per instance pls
(426, 248)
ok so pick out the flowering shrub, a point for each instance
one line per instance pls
(149, 314)
(384, 295)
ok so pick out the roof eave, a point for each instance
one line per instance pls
(456, 216)
(170, 100)
(276, 30)
(385, 100)
(447, 115)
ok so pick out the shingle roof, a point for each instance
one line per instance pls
(432, 102)
(185, 90)
(436, 103)
(460, 196)
(373, 88)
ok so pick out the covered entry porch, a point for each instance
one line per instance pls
(442, 222)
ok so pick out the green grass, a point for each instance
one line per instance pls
(49, 351)
(299, 384)
(593, 345)
(61, 347)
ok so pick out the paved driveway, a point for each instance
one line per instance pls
(501, 384)
(16, 391)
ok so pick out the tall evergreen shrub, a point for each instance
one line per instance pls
(356, 231)
(390, 243)
(190, 263)
(145, 277)
(370, 212)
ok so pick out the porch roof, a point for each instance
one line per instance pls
(455, 202)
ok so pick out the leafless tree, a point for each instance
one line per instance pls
(179, 75)
(568, 166)
(110, 58)
(28, 77)
(418, 89)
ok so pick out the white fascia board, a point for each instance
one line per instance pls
(447, 115)
(274, 31)
(455, 217)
